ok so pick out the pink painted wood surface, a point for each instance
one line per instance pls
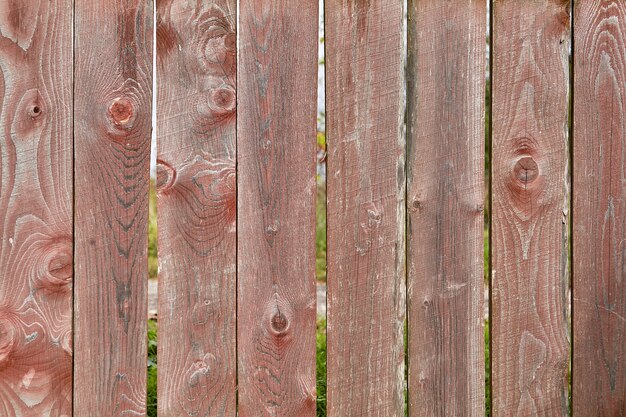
(112, 110)
(366, 211)
(445, 200)
(599, 209)
(36, 208)
(196, 70)
(276, 158)
(530, 206)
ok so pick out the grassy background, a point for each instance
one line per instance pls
(151, 401)
(152, 234)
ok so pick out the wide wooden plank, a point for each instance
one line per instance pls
(445, 200)
(36, 208)
(276, 156)
(196, 70)
(366, 213)
(599, 209)
(112, 110)
(530, 186)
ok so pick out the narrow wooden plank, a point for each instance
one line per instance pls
(366, 211)
(112, 109)
(599, 209)
(276, 156)
(196, 70)
(36, 206)
(530, 185)
(446, 108)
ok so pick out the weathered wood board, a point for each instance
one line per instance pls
(276, 155)
(599, 209)
(445, 200)
(196, 107)
(36, 208)
(366, 210)
(530, 205)
(112, 111)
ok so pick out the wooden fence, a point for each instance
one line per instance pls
(406, 186)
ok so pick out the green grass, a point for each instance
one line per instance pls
(151, 401)
(320, 360)
(487, 373)
(152, 234)
(320, 234)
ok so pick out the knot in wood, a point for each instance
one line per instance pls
(374, 218)
(201, 369)
(7, 338)
(230, 41)
(35, 111)
(57, 265)
(166, 175)
(121, 112)
(28, 116)
(415, 204)
(222, 100)
(279, 322)
(272, 229)
(216, 43)
(60, 267)
(526, 169)
(201, 365)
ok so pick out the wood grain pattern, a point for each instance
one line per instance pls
(446, 108)
(36, 208)
(276, 157)
(599, 209)
(112, 110)
(196, 70)
(366, 188)
(530, 185)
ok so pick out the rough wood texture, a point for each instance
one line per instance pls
(366, 212)
(112, 110)
(276, 155)
(36, 208)
(446, 108)
(196, 70)
(599, 209)
(530, 347)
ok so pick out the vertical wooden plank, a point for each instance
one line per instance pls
(196, 70)
(276, 154)
(366, 188)
(530, 183)
(446, 108)
(599, 209)
(36, 206)
(112, 110)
